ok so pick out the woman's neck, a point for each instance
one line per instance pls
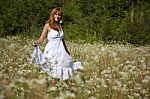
(57, 22)
(58, 26)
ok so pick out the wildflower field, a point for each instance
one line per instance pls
(111, 71)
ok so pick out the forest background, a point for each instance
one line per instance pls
(84, 20)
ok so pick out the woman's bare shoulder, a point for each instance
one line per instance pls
(47, 25)
(46, 29)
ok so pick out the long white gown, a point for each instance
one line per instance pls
(55, 60)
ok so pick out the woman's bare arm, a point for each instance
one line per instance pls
(43, 34)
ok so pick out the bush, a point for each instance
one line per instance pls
(106, 20)
(23, 16)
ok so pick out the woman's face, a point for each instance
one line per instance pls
(57, 16)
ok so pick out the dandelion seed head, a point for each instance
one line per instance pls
(103, 49)
(136, 94)
(104, 85)
(124, 75)
(78, 79)
(115, 87)
(92, 97)
(52, 89)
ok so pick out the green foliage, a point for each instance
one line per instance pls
(138, 24)
(118, 20)
(86, 20)
(23, 16)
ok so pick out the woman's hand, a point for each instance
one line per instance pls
(35, 44)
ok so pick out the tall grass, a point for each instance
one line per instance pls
(111, 71)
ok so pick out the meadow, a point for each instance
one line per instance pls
(111, 71)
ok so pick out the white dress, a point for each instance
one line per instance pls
(55, 60)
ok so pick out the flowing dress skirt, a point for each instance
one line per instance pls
(55, 60)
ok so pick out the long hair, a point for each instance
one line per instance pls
(51, 19)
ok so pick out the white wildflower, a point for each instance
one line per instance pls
(116, 59)
(142, 60)
(78, 79)
(106, 71)
(124, 89)
(20, 72)
(143, 91)
(61, 96)
(41, 81)
(136, 94)
(104, 85)
(70, 94)
(137, 86)
(88, 92)
(113, 54)
(130, 97)
(124, 75)
(103, 49)
(115, 87)
(119, 83)
(92, 97)
(2, 95)
(52, 89)
(22, 80)
(145, 81)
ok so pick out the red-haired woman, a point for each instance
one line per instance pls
(56, 59)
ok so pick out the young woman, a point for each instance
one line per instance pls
(56, 59)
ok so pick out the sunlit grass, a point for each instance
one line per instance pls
(111, 71)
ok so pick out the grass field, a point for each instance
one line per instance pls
(111, 71)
